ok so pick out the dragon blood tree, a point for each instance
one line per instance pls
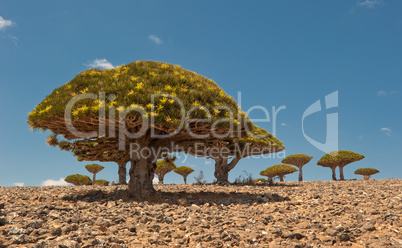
(184, 171)
(279, 170)
(78, 180)
(144, 107)
(298, 160)
(164, 166)
(256, 141)
(339, 158)
(366, 172)
(101, 149)
(94, 169)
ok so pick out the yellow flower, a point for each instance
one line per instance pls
(164, 66)
(195, 103)
(116, 75)
(176, 73)
(84, 91)
(46, 109)
(199, 85)
(222, 93)
(73, 94)
(216, 103)
(68, 86)
(133, 78)
(112, 103)
(139, 86)
(202, 108)
(182, 77)
(93, 73)
(84, 108)
(153, 74)
(57, 92)
(171, 101)
(236, 122)
(125, 70)
(76, 112)
(163, 100)
(168, 88)
(168, 119)
(150, 105)
(120, 109)
(131, 92)
(95, 108)
(216, 111)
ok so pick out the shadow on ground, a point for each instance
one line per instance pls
(176, 198)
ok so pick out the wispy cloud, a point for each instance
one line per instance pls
(19, 184)
(14, 39)
(5, 23)
(208, 161)
(385, 93)
(101, 64)
(51, 182)
(283, 124)
(155, 39)
(370, 4)
(386, 130)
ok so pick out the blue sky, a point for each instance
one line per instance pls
(276, 53)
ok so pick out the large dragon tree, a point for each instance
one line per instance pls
(339, 159)
(116, 104)
(298, 160)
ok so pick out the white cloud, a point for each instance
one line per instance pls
(51, 182)
(155, 39)
(101, 64)
(5, 23)
(19, 184)
(385, 93)
(208, 162)
(284, 124)
(386, 130)
(369, 3)
(155, 180)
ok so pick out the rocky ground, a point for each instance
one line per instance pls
(310, 214)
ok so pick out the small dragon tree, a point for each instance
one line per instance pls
(184, 171)
(339, 158)
(366, 172)
(298, 160)
(78, 180)
(94, 169)
(116, 104)
(164, 166)
(102, 182)
(279, 170)
(100, 149)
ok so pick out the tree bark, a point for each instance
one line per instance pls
(341, 177)
(281, 178)
(300, 174)
(333, 173)
(222, 168)
(160, 178)
(122, 172)
(141, 176)
(94, 179)
(366, 177)
(185, 179)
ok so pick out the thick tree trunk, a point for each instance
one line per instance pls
(122, 173)
(141, 176)
(366, 177)
(185, 179)
(222, 168)
(281, 178)
(94, 179)
(300, 174)
(341, 177)
(333, 173)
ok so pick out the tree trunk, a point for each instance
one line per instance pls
(185, 179)
(122, 172)
(160, 178)
(333, 173)
(94, 179)
(270, 181)
(366, 177)
(141, 176)
(341, 173)
(300, 174)
(222, 168)
(281, 178)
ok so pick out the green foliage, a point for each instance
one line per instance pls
(339, 158)
(94, 168)
(259, 136)
(263, 180)
(52, 140)
(78, 180)
(278, 170)
(133, 85)
(102, 182)
(163, 167)
(297, 159)
(366, 171)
